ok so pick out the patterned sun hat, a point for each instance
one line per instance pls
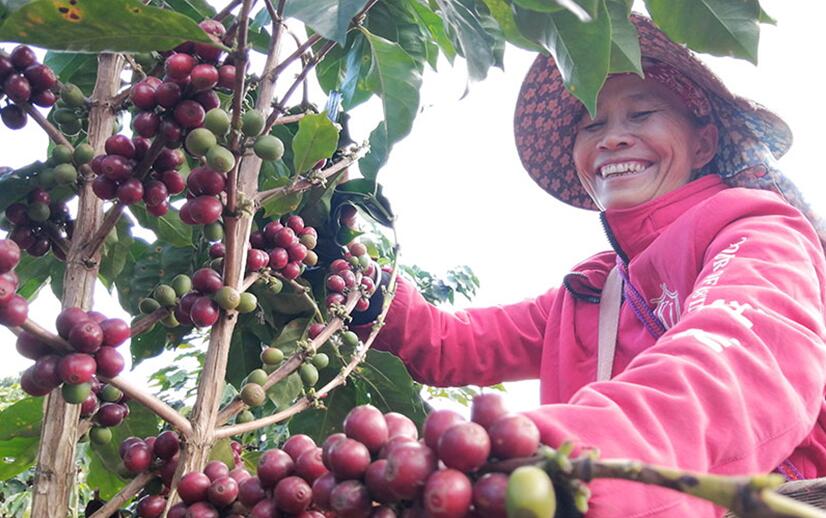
(751, 137)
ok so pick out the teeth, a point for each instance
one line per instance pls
(619, 168)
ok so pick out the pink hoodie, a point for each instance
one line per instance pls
(735, 384)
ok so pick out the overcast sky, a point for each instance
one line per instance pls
(462, 197)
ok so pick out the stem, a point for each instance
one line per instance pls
(57, 240)
(303, 185)
(312, 40)
(226, 10)
(56, 467)
(241, 57)
(161, 409)
(286, 119)
(45, 336)
(249, 280)
(124, 495)
(303, 290)
(788, 506)
(340, 379)
(53, 133)
(146, 323)
(279, 106)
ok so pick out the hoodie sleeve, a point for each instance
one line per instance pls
(735, 385)
(478, 346)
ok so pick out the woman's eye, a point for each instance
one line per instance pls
(641, 114)
(593, 126)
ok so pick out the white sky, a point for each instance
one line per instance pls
(461, 194)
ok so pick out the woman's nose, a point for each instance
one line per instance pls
(615, 136)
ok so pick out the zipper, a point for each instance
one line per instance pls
(611, 238)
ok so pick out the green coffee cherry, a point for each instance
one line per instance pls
(61, 154)
(65, 174)
(84, 153)
(350, 339)
(170, 321)
(72, 96)
(272, 356)
(100, 436)
(165, 295)
(227, 297)
(247, 303)
(268, 147)
(38, 212)
(182, 284)
(76, 394)
(148, 305)
(252, 123)
(199, 141)
(309, 374)
(64, 116)
(253, 394)
(275, 285)
(257, 376)
(244, 417)
(214, 232)
(217, 121)
(71, 128)
(530, 493)
(110, 394)
(220, 159)
(47, 178)
(320, 360)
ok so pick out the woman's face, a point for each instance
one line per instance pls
(642, 144)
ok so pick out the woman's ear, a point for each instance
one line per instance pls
(706, 145)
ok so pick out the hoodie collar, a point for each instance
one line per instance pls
(632, 229)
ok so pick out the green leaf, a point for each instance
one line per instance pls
(625, 42)
(319, 423)
(283, 393)
(168, 228)
(435, 27)
(195, 9)
(244, 355)
(22, 419)
(395, 77)
(114, 25)
(222, 450)
(391, 387)
(502, 12)
(330, 18)
(717, 27)
(467, 31)
(16, 184)
(115, 253)
(148, 344)
(105, 458)
(147, 266)
(366, 194)
(581, 50)
(280, 205)
(78, 69)
(17, 455)
(56, 274)
(317, 138)
(33, 273)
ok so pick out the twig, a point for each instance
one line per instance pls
(124, 495)
(137, 69)
(84, 426)
(161, 409)
(341, 377)
(146, 323)
(241, 57)
(312, 40)
(274, 16)
(44, 335)
(303, 185)
(788, 506)
(121, 98)
(249, 280)
(53, 133)
(279, 106)
(57, 240)
(223, 13)
(292, 283)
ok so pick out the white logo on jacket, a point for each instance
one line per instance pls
(667, 307)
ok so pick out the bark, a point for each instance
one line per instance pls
(56, 466)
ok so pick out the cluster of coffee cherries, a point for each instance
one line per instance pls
(378, 467)
(93, 339)
(177, 103)
(30, 217)
(342, 277)
(14, 309)
(107, 407)
(24, 80)
(197, 300)
(285, 245)
(116, 174)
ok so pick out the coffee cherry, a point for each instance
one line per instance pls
(247, 303)
(165, 295)
(376, 482)
(436, 423)
(322, 487)
(257, 259)
(349, 459)
(75, 394)
(110, 394)
(177, 511)
(155, 193)
(272, 356)
(309, 374)
(17, 88)
(9, 255)
(151, 506)
(217, 121)
(268, 147)
(22, 56)
(30, 347)
(104, 188)
(530, 493)
(44, 99)
(253, 394)
(328, 445)
(366, 424)
(13, 117)
(174, 182)
(115, 167)
(279, 258)
(204, 210)
(216, 31)
(223, 491)
(204, 312)
(190, 114)
(293, 494)
(252, 123)
(408, 467)
(29, 384)
(111, 414)
(250, 491)
(146, 124)
(110, 362)
(166, 445)
(120, 145)
(239, 474)
(350, 499)
(203, 77)
(75, 368)
(297, 444)
(400, 425)
(138, 457)
(489, 495)
(203, 180)
(101, 436)
(447, 494)
(291, 271)
(199, 141)
(206, 280)
(208, 99)
(142, 95)
(320, 360)
(257, 376)
(220, 158)
(464, 446)
(194, 487)
(65, 174)
(86, 337)
(179, 66)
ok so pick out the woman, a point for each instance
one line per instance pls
(719, 362)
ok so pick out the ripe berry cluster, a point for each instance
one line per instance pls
(115, 174)
(24, 80)
(378, 467)
(342, 278)
(14, 309)
(93, 339)
(197, 300)
(30, 218)
(286, 246)
(107, 406)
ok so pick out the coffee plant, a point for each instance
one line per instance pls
(185, 175)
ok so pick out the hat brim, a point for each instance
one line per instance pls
(547, 114)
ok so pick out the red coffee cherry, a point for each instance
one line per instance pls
(293, 494)
(512, 436)
(298, 444)
(447, 494)
(167, 445)
(194, 487)
(464, 446)
(350, 499)
(274, 465)
(366, 424)
(109, 361)
(436, 423)
(349, 459)
(489, 495)
(9, 255)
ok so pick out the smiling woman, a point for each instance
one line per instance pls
(716, 362)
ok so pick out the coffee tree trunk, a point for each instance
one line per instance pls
(56, 465)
